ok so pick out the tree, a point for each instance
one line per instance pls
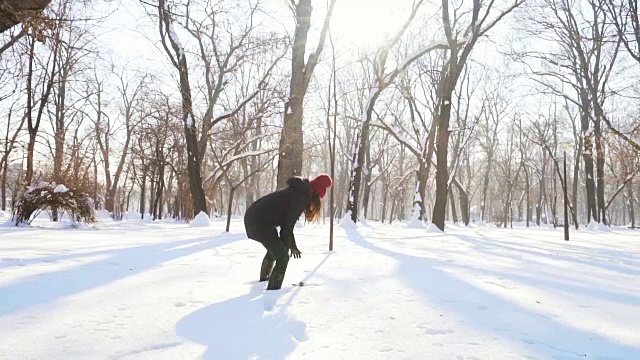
(291, 139)
(14, 12)
(36, 107)
(178, 58)
(224, 58)
(9, 144)
(382, 79)
(459, 52)
(580, 58)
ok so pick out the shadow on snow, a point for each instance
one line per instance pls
(44, 288)
(246, 327)
(487, 311)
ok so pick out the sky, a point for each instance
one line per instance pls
(130, 33)
(129, 37)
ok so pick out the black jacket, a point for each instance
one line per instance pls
(280, 208)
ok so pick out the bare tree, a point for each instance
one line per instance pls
(36, 107)
(178, 58)
(459, 52)
(9, 145)
(291, 139)
(14, 12)
(382, 79)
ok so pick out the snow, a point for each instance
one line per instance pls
(189, 120)
(420, 52)
(176, 39)
(201, 220)
(432, 228)
(602, 227)
(173, 35)
(226, 113)
(347, 222)
(397, 133)
(246, 154)
(415, 221)
(417, 197)
(162, 290)
(60, 188)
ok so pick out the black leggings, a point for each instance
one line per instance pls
(277, 253)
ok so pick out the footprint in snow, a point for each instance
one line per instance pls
(270, 297)
(438, 331)
(298, 330)
(179, 304)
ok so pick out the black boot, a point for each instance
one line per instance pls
(275, 282)
(277, 275)
(267, 266)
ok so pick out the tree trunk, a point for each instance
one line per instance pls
(96, 201)
(422, 189)
(230, 207)
(600, 172)
(574, 189)
(363, 143)
(367, 186)
(528, 195)
(464, 202)
(193, 166)
(385, 195)
(332, 147)
(440, 205)
(143, 199)
(133, 183)
(426, 162)
(33, 127)
(252, 184)
(554, 201)
(191, 138)
(587, 156)
(632, 215)
(393, 208)
(452, 204)
(291, 140)
(3, 187)
(543, 187)
(60, 130)
(485, 185)
(30, 148)
(157, 203)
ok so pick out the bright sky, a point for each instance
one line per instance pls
(131, 34)
(368, 22)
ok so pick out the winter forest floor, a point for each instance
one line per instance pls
(143, 290)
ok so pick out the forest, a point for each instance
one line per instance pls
(452, 111)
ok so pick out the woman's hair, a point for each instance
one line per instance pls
(314, 209)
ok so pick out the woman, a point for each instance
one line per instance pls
(283, 208)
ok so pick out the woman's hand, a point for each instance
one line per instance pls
(295, 253)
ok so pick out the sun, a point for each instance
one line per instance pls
(368, 23)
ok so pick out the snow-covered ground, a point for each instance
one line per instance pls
(143, 290)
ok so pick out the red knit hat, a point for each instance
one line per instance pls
(320, 184)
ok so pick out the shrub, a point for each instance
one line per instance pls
(54, 197)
